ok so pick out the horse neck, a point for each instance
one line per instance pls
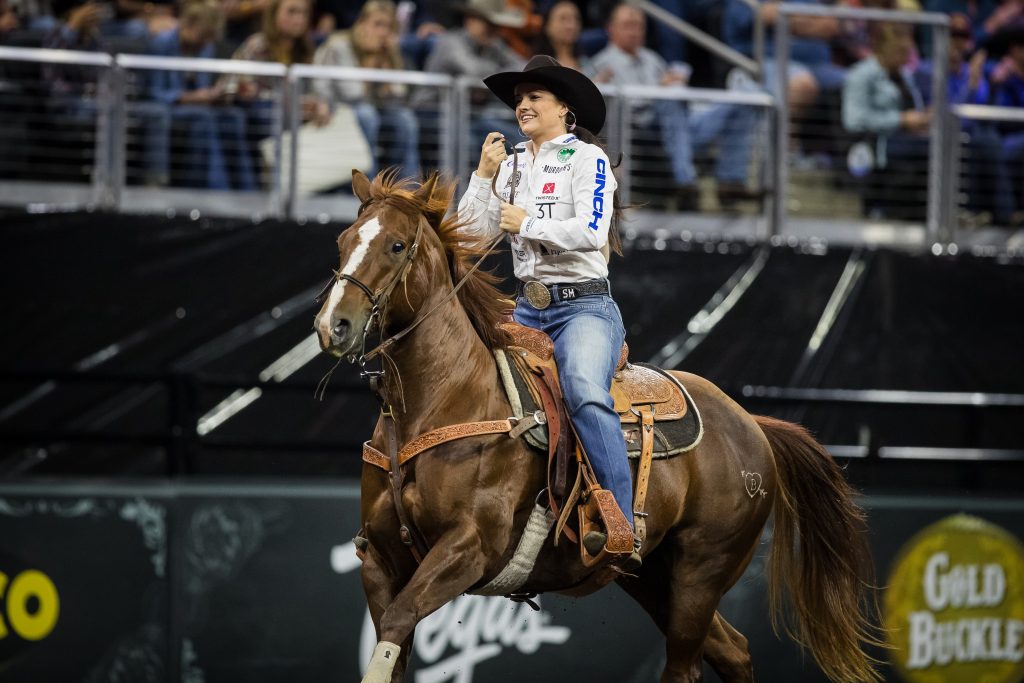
(447, 373)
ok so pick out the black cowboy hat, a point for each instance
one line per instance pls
(568, 85)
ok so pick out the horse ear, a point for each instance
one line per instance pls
(427, 188)
(360, 185)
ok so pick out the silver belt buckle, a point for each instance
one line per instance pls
(537, 294)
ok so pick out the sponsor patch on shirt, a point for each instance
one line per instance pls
(565, 154)
(548, 188)
(556, 169)
(600, 180)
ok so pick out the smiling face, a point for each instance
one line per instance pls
(540, 114)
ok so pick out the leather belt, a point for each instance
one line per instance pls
(540, 295)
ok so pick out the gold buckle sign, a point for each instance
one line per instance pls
(538, 295)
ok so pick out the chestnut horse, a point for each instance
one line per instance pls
(470, 499)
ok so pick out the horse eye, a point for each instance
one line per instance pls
(397, 248)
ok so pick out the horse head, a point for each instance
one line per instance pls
(387, 260)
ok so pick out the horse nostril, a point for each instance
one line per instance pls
(341, 328)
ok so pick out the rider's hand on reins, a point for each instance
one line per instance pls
(491, 155)
(511, 218)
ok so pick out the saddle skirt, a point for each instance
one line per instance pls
(678, 427)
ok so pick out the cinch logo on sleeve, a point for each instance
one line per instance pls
(600, 180)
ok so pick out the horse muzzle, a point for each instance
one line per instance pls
(339, 334)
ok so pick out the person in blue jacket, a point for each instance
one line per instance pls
(216, 154)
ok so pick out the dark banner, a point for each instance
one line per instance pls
(209, 584)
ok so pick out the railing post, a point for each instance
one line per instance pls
(449, 124)
(109, 157)
(937, 176)
(277, 198)
(781, 147)
(464, 113)
(293, 97)
(954, 149)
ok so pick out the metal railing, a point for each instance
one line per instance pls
(936, 216)
(446, 110)
(983, 186)
(720, 49)
(107, 168)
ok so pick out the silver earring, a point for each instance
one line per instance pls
(570, 126)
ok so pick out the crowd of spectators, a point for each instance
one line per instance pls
(876, 76)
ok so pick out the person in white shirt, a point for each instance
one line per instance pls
(558, 206)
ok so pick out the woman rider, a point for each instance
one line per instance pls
(562, 224)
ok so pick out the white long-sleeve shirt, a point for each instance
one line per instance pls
(567, 193)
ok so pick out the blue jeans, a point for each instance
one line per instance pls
(588, 335)
(730, 126)
(403, 148)
(216, 152)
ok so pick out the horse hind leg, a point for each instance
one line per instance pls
(724, 648)
(727, 651)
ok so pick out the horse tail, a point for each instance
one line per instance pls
(820, 557)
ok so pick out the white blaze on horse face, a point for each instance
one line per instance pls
(367, 232)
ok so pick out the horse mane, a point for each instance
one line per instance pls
(485, 304)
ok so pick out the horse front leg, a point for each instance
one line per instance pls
(452, 566)
(382, 581)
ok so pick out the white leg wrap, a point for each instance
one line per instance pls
(382, 663)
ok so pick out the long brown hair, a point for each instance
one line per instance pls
(392, 56)
(614, 229)
(282, 49)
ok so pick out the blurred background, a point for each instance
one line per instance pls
(828, 203)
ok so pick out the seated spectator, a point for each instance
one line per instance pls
(421, 27)
(373, 44)
(985, 177)
(8, 19)
(1008, 83)
(560, 35)
(881, 100)
(285, 40)
(810, 61)
(139, 18)
(521, 39)
(216, 147)
(478, 51)
(627, 62)
(35, 15)
(79, 30)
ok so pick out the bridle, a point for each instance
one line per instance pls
(380, 299)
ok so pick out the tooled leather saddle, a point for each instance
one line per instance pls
(678, 427)
(658, 417)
